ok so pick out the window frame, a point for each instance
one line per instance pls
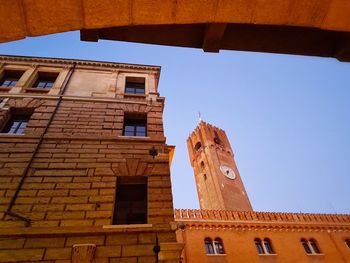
(21, 119)
(130, 180)
(13, 74)
(134, 84)
(311, 246)
(135, 120)
(347, 242)
(264, 246)
(44, 77)
(215, 246)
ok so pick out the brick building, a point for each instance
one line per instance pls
(226, 229)
(84, 164)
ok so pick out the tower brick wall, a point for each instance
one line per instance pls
(211, 156)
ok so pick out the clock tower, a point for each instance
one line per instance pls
(219, 184)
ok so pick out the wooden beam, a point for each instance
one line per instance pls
(89, 35)
(212, 37)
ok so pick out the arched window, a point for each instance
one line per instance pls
(209, 249)
(259, 246)
(216, 138)
(347, 242)
(202, 165)
(198, 146)
(310, 246)
(219, 246)
(268, 246)
(263, 247)
(305, 245)
(314, 246)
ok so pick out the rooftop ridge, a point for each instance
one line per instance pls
(82, 62)
(225, 215)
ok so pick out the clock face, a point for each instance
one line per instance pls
(227, 171)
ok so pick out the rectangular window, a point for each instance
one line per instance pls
(131, 200)
(134, 85)
(135, 125)
(45, 80)
(16, 124)
(10, 78)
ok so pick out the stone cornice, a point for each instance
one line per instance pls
(245, 221)
(79, 62)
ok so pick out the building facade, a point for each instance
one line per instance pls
(226, 229)
(84, 164)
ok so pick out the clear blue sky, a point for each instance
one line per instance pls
(287, 117)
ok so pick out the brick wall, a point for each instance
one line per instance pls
(71, 182)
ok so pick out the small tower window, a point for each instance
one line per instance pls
(198, 146)
(310, 246)
(216, 138)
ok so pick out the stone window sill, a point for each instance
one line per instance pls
(211, 255)
(264, 255)
(127, 226)
(36, 90)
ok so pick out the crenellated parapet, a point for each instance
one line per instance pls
(224, 216)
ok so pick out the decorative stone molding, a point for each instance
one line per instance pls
(64, 62)
(83, 253)
(222, 220)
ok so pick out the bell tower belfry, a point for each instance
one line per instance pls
(219, 184)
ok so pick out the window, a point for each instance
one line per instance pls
(264, 247)
(216, 138)
(10, 78)
(347, 242)
(198, 146)
(134, 85)
(16, 124)
(209, 249)
(310, 246)
(131, 200)
(219, 247)
(135, 125)
(45, 80)
(268, 246)
(214, 247)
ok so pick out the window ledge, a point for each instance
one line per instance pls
(134, 137)
(4, 88)
(127, 226)
(210, 255)
(314, 254)
(37, 90)
(134, 95)
(263, 255)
